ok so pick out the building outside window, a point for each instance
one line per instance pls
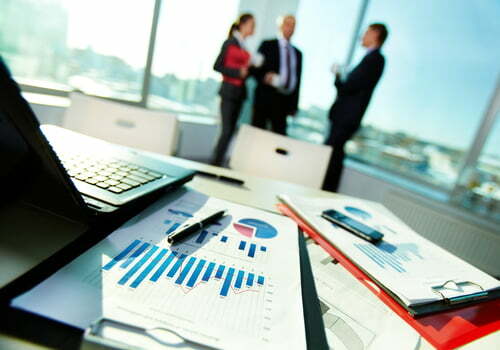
(441, 69)
(190, 35)
(65, 45)
(479, 188)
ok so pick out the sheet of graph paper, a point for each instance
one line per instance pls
(236, 283)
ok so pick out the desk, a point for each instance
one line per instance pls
(256, 192)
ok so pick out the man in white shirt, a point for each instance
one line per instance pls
(278, 79)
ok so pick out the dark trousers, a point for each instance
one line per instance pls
(337, 139)
(275, 111)
(230, 111)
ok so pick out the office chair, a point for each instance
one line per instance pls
(123, 124)
(266, 154)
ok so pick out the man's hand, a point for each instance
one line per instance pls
(269, 77)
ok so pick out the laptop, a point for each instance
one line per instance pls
(105, 176)
(55, 183)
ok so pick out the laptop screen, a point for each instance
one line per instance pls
(30, 171)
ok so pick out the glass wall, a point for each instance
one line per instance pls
(479, 188)
(65, 44)
(190, 35)
(441, 68)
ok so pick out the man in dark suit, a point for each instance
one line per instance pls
(278, 80)
(353, 96)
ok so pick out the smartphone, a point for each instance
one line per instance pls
(353, 226)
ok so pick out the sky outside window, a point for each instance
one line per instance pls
(441, 68)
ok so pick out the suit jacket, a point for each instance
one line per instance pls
(354, 94)
(263, 92)
(231, 58)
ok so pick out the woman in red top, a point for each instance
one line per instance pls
(233, 62)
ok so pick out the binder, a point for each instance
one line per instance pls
(447, 325)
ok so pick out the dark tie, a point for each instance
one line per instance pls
(288, 68)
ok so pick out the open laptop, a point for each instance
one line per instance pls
(105, 176)
(54, 182)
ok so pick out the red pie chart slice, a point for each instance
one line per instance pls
(255, 228)
(245, 230)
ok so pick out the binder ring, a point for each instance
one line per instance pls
(462, 298)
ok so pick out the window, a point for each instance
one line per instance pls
(479, 190)
(441, 68)
(324, 34)
(85, 45)
(190, 35)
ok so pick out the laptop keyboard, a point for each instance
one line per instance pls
(113, 175)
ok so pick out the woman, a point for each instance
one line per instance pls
(233, 62)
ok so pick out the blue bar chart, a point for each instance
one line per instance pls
(390, 256)
(148, 269)
(208, 272)
(201, 236)
(141, 261)
(177, 266)
(194, 277)
(122, 255)
(174, 226)
(250, 249)
(163, 267)
(134, 255)
(220, 271)
(227, 282)
(180, 213)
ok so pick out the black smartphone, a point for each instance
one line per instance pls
(353, 226)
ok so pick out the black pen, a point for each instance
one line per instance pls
(221, 177)
(185, 231)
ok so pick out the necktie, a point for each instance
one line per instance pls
(288, 79)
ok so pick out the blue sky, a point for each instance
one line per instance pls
(443, 59)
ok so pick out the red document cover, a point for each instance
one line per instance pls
(445, 330)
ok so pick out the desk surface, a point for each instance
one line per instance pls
(257, 192)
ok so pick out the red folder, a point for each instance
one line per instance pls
(445, 330)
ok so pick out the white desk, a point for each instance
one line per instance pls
(256, 192)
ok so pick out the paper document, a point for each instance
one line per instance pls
(234, 284)
(354, 318)
(410, 266)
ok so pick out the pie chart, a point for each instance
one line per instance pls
(255, 228)
(360, 213)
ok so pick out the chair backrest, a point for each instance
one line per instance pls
(271, 155)
(122, 124)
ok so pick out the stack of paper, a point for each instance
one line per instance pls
(234, 284)
(355, 318)
(408, 265)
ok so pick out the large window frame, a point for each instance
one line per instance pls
(471, 158)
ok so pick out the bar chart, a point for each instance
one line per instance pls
(142, 261)
(391, 256)
(250, 249)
